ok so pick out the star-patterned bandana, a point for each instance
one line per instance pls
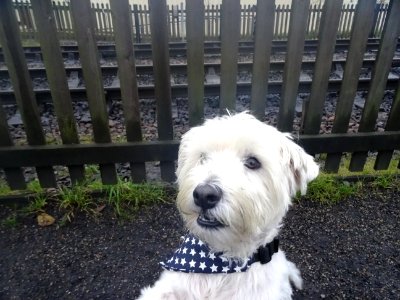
(193, 256)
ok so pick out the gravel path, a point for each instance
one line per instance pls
(349, 250)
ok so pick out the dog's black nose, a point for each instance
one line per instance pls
(207, 196)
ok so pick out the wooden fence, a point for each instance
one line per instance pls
(176, 18)
(106, 154)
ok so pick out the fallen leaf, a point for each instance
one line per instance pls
(45, 220)
(100, 208)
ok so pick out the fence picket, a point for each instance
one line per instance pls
(162, 78)
(57, 79)
(262, 52)
(127, 76)
(89, 57)
(21, 81)
(195, 60)
(322, 69)
(379, 77)
(362, 24)
(230, 34)
(292, 69)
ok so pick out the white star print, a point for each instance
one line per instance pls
(187, 240)
(213, 268)
(184, 250)
(176, 261)
(211, 256)
(192, 252)
(183, 261)
(223, 258)
(202, 254)
(202, 265)
(225, 270)
(238, 269)
(193, 241)
(192, 263)
(200, 243)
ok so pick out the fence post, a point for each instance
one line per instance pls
(83, 24)
(293, 60)
(162, 79)
(122, 21)
(47, 32)
(326, 48)
(264, 32)
(195, 60)
(230, 33)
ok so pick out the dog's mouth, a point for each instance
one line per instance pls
(208, 221)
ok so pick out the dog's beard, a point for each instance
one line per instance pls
(241, 227)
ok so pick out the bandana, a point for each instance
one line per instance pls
(194, 256)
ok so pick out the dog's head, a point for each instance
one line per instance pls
(236, 177)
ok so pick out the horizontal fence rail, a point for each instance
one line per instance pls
(25, 144)
(176, 18)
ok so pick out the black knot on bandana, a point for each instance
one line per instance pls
(194, 256)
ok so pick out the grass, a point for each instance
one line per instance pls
(11, 221)
(4, 188)
(126, 197)
(123, 198)
(330, 190)
(76, 199)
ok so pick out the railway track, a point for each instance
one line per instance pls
(179, 71)
(179, 49)
(180, 90)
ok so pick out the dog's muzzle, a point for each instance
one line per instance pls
(207, 196)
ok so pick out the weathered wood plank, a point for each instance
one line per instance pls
(230, 34)
(322, 69)
(123, 30)
(20, 156)
(57, 79)
(379, 77)
(392, 124)
(14, 176)
(88, 52)
(359, 37)
(294, 55)
(162, 78)
(264, 33)
(21, 81)
(195, 60)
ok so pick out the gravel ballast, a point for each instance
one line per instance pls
(348, 250)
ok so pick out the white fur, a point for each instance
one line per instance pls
(252, 207)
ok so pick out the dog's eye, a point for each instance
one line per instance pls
(252, 163)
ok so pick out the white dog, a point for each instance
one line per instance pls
(236, 177)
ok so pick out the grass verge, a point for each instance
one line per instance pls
(123, 198)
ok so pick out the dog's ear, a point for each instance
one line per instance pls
(300, 166)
